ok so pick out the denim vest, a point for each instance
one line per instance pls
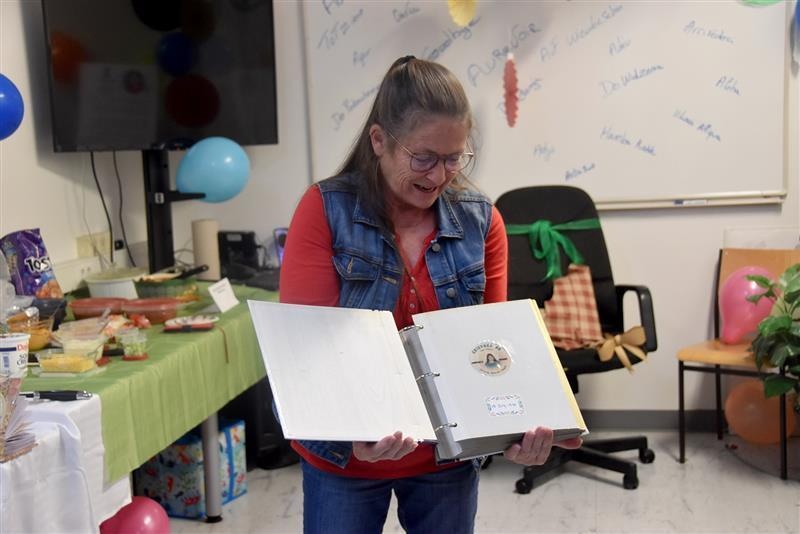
(371, 271)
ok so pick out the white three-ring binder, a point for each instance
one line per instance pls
(472, 379)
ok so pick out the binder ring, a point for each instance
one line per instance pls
(425, 375)
(412, 327)
(451, 425)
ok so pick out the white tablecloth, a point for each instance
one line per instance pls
(58, 486)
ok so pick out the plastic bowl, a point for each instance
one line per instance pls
(55, 308)
(157, 310)
(155, 285)
(91, 326)
(89, 346)
(58, 361)
(94, 307)
(114, 283)
(39, 331)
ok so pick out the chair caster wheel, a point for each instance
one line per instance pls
(647, 456)
(523, 486)
(630, 482)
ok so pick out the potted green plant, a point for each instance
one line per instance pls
(777, 343)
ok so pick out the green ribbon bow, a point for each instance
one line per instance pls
(545, 237)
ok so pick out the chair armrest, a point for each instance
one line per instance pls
(646, 314)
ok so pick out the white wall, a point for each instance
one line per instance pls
(671, 251)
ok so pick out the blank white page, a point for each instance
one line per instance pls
(338, 374)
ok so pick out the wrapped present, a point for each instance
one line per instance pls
(174, 477)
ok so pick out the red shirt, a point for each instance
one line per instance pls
(309, 277)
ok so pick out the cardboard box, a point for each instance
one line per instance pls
(174, 477)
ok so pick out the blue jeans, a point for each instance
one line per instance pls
(445, 501)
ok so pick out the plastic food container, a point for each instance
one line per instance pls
(58, 361)
(39, 331)
(134, 345)
(92, 326)
(166, 285)
(114, 283)
(90, 346)
(94, 307)
(157, 310)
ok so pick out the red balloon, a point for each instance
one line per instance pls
(755, 417)
(192, 101)
(141, 516)
(740, 317)
(67, 54)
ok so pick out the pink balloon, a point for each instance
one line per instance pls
(739, 316)
(141, 516)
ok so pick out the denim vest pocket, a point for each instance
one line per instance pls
(357, 275)
(473, 280)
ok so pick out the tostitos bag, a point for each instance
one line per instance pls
(29, 265)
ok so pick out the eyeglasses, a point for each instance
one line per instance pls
(425, 161)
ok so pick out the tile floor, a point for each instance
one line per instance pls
(724, 487)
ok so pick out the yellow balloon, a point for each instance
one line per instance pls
(461, 11)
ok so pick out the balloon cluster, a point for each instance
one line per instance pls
(191, 100)
(216, 166)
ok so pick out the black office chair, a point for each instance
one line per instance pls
(526, 279)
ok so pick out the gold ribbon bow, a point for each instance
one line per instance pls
(632, 340)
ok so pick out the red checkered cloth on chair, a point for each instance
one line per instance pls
(571, 315)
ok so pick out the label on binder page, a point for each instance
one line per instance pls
(499, 405)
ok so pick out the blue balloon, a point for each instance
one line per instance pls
(11, 107)
(177, 53)
(215, 166)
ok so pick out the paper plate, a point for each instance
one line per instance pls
(192, 320)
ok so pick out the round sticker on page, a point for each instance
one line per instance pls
(490, 358)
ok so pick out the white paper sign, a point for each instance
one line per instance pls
(223, 296)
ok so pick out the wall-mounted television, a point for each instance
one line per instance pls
(160, 74)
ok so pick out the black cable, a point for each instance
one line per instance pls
(121, 222)
(105, 209)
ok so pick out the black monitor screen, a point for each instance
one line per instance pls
(160, 74)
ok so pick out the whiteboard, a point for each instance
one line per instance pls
(678, 103)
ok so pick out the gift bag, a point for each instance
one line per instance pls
(571, 315)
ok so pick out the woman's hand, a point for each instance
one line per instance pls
(391, 447)
(534, 449)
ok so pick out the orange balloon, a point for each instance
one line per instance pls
(753, 416)
(67, 54)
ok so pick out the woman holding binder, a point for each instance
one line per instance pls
(400, 228)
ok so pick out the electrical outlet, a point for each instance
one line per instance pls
(90, 245)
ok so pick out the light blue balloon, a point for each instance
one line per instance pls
(215, 166)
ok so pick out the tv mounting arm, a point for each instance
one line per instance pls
(158, 200)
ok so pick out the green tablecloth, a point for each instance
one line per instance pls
(147, 405)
